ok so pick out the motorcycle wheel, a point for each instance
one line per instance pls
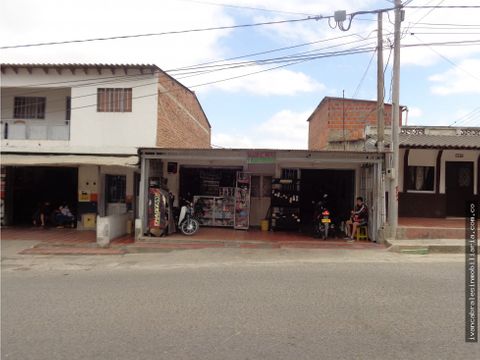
(325, 231)
(189, 227)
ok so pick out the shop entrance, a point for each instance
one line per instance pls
(338, 184)
(33, 185)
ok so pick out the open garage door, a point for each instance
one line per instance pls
(31, 185)
(338, 184)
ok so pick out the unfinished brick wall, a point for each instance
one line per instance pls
(336, 119)
(181, 121)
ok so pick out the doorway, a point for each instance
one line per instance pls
(458, 186)
(338, 184)
(33, 185)
(260, 194)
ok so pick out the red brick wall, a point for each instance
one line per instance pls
(181, 122)
(327, 122)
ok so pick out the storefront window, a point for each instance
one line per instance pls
(421, 178)
(116, 188)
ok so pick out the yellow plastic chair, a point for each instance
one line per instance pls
(362, 233)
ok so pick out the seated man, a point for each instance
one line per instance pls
(64, 216)
(42, 214)
(359, 218)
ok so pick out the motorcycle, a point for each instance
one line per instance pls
(322, 221)
(187, 223)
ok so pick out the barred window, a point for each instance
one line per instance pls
(29, 107)
(114, 100)
(116, 188)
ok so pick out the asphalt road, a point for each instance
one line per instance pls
(324, 310)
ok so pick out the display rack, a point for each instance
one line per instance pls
(242, 201)
(285, 204)
(215, 210)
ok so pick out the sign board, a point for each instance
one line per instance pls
(260, 157)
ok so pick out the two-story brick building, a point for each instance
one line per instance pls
(70, 133)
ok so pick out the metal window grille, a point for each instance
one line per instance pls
(28, 107)
(114, 100)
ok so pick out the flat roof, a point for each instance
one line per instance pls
(277, 154)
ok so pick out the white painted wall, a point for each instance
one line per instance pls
(88, 179)
(422, 157)
(92, 131)
(111, 227)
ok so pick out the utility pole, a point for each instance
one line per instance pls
(379, 192)
(394, 145)
(380, 86)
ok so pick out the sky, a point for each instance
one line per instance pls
(440, 85)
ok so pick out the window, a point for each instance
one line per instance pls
(116, 188)
(27, 107)
(68, 107)
(421, 178)
(114, 100)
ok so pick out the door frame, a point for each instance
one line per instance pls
(472, 185)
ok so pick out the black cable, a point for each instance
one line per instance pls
(443, 7)
(226, 79)
(247, 7)
(357, 89)
(160, 33)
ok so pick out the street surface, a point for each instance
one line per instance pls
(234, 304)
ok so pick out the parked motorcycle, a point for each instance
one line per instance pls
(322, 222)
(187, 223)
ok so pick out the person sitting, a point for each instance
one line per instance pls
(64, 216)
(42, 214)
(359, 217)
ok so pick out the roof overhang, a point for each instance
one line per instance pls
(63, 160)
(280, 156)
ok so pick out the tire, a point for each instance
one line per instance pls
(189, 227)
(325, 231)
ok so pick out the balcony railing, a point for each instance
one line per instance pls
(25, 131)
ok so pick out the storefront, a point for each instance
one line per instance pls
(90, 185)
(240, 189)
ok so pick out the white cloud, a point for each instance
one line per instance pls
(284, 130)
(271, 82)
(463, 79)
(57, 20)
(414, 116)
(424, 33)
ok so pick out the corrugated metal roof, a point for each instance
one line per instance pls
(440, 141)
(80, 65)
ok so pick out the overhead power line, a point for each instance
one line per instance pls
(443, 6)
(475, 113)
(315, 17)
(451, 62)
(160, 33)
(242, 7)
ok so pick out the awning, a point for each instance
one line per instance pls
(60, 160)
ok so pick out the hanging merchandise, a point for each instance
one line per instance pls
(285, 202)
(160, 217)
(242, 201)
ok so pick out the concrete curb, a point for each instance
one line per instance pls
(422, 247)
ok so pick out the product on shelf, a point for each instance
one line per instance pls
(215, 210)
(242, 201)
(285, 202)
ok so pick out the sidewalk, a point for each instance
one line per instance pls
(73, 242)
(446, 246)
